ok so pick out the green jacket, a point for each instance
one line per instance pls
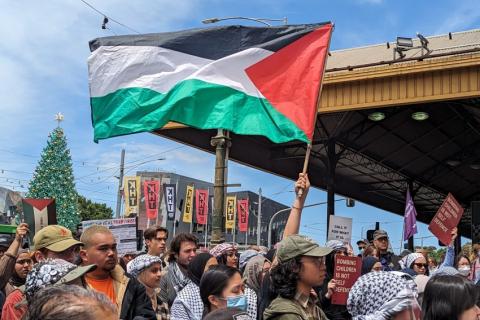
(286, 309)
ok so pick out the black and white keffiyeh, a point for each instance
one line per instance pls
(142, 262)
(46, 273)
(380, 295)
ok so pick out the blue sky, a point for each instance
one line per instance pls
(43, 71)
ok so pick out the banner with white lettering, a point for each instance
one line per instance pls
(230, 210)
(201, 206)
(242, 209)
(340, 228)
(131, 189)
(169, 190)
(151, 190)
(188, 207)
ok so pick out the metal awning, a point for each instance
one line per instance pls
(376, 161)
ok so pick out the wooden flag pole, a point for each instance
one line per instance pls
(309, 145)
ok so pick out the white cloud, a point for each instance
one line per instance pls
(466, 15)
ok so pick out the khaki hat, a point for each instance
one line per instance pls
(296, 245)
(55, 238)
(380, 234)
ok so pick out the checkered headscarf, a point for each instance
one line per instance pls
(381, 295)
(222, 248)
(142, 262)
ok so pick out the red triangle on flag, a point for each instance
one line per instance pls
(290, 78)
(39, 204)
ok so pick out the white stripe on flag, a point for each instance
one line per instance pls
(159, 69)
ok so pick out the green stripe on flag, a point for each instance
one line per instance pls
(194, 103)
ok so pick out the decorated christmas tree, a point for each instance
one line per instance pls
(53, 178)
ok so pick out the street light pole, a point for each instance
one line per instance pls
(259, 20)
(120, 182)
(259, 217)
(286, 209)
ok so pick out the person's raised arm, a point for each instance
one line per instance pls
(293, 222)
(7, 261)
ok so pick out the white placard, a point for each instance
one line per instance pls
(340, 228)
(124, 230)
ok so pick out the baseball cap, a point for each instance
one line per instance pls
(53, 272)
(55, 238)
(380, 234)
(362, 241)
(298, 245)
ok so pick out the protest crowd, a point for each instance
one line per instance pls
(61, 277)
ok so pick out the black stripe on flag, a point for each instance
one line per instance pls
(214, 43)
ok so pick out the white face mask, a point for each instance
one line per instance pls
(464, 271)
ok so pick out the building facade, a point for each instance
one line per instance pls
(269, 208)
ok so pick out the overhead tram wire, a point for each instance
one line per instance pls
(109, 18)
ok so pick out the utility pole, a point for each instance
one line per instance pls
(120, 182)
(221, 144)
(259, 217)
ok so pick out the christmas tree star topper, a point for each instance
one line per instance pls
(59, 118)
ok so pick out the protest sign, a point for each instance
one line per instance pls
(346, 272)
(124, 230)
(340, 228)
(446, 219)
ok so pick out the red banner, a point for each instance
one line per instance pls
(347, 270)
(447, 218)
(242, 209)
(201, 205)
(151, 190)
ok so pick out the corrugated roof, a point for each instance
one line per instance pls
(440, 44)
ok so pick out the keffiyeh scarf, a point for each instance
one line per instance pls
(381, 295)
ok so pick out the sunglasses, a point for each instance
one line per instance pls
(420, 265)
(232, 254)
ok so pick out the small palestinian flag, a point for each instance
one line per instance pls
(39, 213)
(249, 80)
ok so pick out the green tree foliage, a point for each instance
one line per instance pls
(53, 178)
(90, 210)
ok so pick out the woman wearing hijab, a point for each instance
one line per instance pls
(255, 271)
(23, 265)
(370, 264)
(148, 271)
(188, 303)
(227, 254)
(414, 264)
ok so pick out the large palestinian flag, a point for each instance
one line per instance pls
(249, 80)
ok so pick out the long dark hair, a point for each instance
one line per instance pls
(285, 276)
(446, 297)
(214, 281)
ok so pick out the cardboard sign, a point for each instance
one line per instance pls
(340, 228)
(124, 230)
(346, 272)
(446, 219)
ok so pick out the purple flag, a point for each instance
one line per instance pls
(410, 219)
